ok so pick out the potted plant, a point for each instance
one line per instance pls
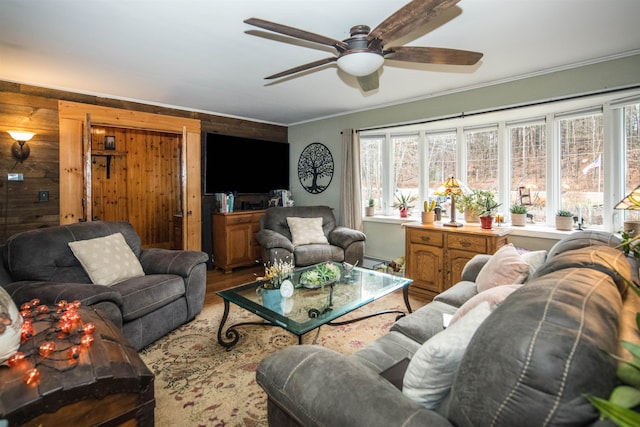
(487, 215)
(519, 215)
(564, 220)
(428, 215)
(403, 203)
(473, 204)
(369, 210)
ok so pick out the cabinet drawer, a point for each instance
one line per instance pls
(426, 237)
(467, 242)
(238, 219)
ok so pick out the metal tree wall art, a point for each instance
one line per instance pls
(315, 168)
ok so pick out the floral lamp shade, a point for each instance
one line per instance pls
(451, 187)
(631, 201)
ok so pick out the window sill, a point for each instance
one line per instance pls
(529, 230)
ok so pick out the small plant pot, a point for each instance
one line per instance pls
(404, 212)
(518, 220)
(564, 223)
(486, 222)
(428, 217)
(469, 218)
(369, 210)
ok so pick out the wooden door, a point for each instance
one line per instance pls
(136, 177)
(73, 119)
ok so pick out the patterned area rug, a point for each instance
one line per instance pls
(199, 383)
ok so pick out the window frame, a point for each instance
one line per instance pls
(613, 161)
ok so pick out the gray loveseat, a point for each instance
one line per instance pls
(39, 264)
(276, 242)
(529, 363)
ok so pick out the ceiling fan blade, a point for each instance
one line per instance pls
(432, 55)
(406, 19)
(370, 82)
(304, 67)
(294, 32)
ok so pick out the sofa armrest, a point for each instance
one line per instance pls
(316, 386)
(49, 293)
(270, 239)
(191, 265)
(473, 267)
(344, 236)
(166, 261)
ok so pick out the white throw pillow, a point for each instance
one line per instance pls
(306, 231)
(10, 326)
(493, 296)
(535, 259)
(506, 267)
(432, 369)
(107, 260)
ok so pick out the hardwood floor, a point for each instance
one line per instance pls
(217, 280)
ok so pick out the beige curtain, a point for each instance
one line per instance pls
(351, 206)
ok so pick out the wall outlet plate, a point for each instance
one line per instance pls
(15, 177)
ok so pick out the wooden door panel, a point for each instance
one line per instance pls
(426, 267)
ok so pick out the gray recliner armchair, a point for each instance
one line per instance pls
(276, 241)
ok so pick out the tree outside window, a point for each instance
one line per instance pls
(529, 168)
(581, 147)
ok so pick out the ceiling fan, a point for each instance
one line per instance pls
(362, 54)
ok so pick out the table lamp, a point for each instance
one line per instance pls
(631, 202)
(451, 187)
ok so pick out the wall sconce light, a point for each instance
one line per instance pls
(19, 149)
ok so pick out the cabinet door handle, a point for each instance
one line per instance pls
(425, 239)
(465, 244)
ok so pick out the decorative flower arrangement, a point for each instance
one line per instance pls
(321, 274)
(276, 273)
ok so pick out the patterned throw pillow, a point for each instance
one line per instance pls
(306, 231)
(107, 260)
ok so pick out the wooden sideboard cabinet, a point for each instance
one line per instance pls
(435, 254)
(234, 243)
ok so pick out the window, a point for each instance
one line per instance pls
(581, 146)
(371, 169)
(632, 154)
(529, 167)
(549, 156)
(482, 159)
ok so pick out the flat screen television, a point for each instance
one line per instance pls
(244, 165)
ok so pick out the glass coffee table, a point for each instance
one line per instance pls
(308, 309)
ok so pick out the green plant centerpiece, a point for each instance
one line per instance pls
(371, 202)
(323, 274)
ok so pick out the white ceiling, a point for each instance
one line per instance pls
(199, 55)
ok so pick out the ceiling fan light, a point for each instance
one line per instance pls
(360, 64)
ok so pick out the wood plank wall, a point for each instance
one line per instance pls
(25, 107)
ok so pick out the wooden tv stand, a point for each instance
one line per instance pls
(234, 243)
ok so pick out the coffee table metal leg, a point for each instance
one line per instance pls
(405, 294)
(231, 333)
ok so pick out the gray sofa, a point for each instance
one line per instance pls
(39, 264)
(275, 239)
(529, 363)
